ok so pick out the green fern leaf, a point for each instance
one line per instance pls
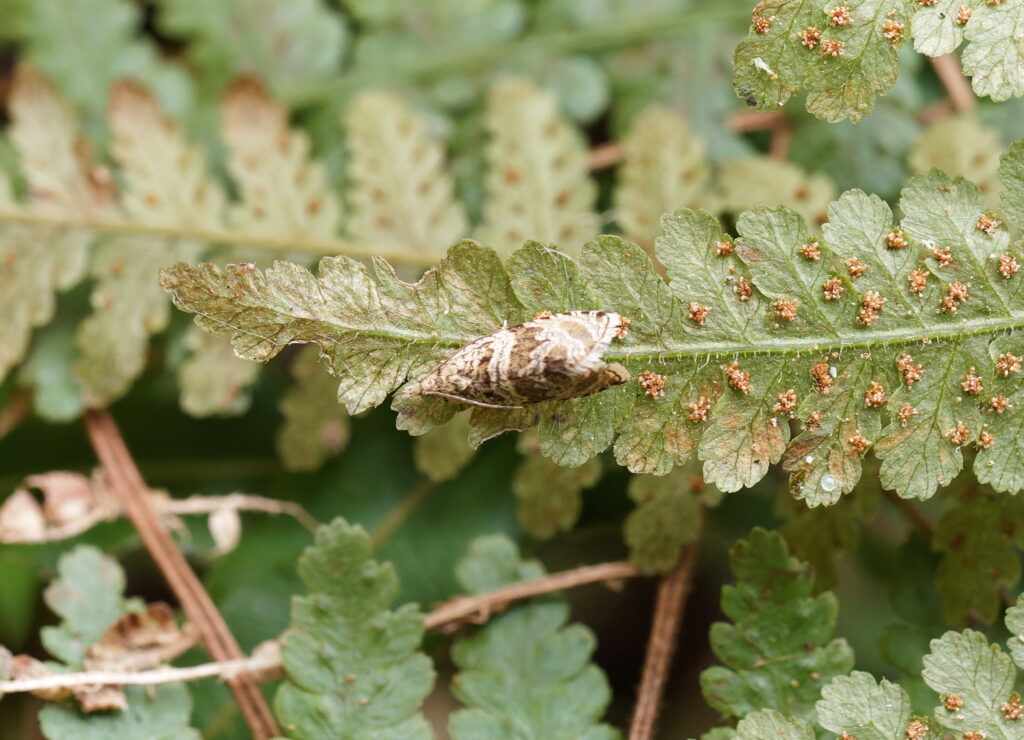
(858, 704)
(526, 674)
(742, 184)
(38, 261)
(353, 666)
(1015, 625)
(88, 595)
(767, 724)
(400, 195)
(965, 665)
(978, 540)
(993, 57)
(165, 184)
(976, 158)
(667, 516)
(212, 379)
(549, 495)
(663, 168)
(250, 35)
(537, 181)
(843, 60)
(154, 713)
(1011, 172)
(884, 334)
(777, 652)
(315, 427)
(444, 451)
(85, 58)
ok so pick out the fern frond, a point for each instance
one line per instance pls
(663, 168)
(884, 334)
(399, 191)
(537, 181)
(88, 596)
(840, 55)
(154, 713)
(767, 724)
(666, 517)
(444, 451)
(38, 261)
(212, 379)
(743, 184)
(975, 156)
(165, 183)
(64, 41)
(353, 666)
(315, 426)
(548, 495)
(778, 651)
(526, 673)
(302, 40)
(857, 703)
(283, 193)
(844, 55)
(965, 665)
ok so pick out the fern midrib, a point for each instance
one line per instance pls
(780, 346)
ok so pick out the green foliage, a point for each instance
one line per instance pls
(549, 494)
(979, 540)
(855, 396)
(280, 42)
(537, 180)
(858, 704)
(444, 451)
(767, 724)
(88, 596)
(526, 674)
(777, 651)
(843, 70)
(155, 713)
(64, 42)
(843, 61)
(315, 427)
(667, 516)
(353, 665)
(964, 664)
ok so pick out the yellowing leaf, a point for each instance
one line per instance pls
(399, 193)
(537, 181)
(663, 168)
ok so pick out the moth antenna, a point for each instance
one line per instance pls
(460, 399)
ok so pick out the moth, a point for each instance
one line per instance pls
(554, 357)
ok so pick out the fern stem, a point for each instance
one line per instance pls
(781, 346)
(616, 33)
(320, 247)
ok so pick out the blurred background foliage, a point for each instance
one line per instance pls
(605, 61)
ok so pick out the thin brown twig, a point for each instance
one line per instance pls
(947, 68)
(265, 663)
(668, 615)
(270, 665)
(481, 607)
(127, 484)
(105, 511)
(778, 146)
(610, 153)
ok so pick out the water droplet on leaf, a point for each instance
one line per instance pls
(829, 483)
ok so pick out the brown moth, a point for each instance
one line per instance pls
(554, 357)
